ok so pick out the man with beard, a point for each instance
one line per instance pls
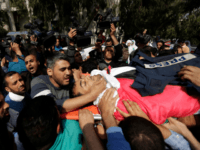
(58, 84)
(34, 69)
(16, 97)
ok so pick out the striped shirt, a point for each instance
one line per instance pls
(41, 86)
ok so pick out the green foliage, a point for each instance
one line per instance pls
(3, 32)
(21, 7)
(4, 18)
(160, 17)
(67, 8)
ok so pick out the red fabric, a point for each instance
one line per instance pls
(173, 102)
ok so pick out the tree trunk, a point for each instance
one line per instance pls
(29, 12)
(10, 16)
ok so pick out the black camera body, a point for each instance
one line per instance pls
(18, 39)
(4, 46)
(82, 38)
(104, 20)
(43, 37)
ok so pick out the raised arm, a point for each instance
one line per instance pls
(71, 49)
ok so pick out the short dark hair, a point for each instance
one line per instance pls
(51, 60)
(108, 40)
(143, 39)
(176, 46)
(151, 49)
(31, 51)
(181, 41)
(8, 74)
(37, 123)
(166, 52)
(88, 66)
(142, 134)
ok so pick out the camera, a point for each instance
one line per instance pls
(83, 37)
(4, 46)
(104, 20)
(44, 38)
(18, 39)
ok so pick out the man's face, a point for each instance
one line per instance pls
(109, 43)
(180, 50)
(109, 53)
(84, 85)
(15, 84)
(60, 74)
(159, 44)
(31, 64)
(78, 58)
(57, 42)
(4, 113)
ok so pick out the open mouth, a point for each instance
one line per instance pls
(31, 69)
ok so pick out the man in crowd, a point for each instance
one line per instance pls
(34, 69)
(58, 84)
(185, 48)
(111, 55)
(16, 97)
(40, 127)
(57, 46)
(159, 44)
(141, 42)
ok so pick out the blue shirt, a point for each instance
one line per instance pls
(16, 104)
(177, 141)
(58, 48)
(17, 66)
(116, 140)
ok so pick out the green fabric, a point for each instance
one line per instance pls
(70, 138)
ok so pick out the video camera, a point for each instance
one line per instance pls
(4, 46)
(104, 20)
(83, 37)
(44, 38)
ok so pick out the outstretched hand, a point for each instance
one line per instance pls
(107, 106)
(107, 102)
(112, 29)
(76, 74)
(98, 87)
(176, 126)
(72, 33)
(4, 61)
(190, 73)
(133, 110)
(85, 117)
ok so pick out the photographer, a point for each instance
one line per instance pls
(141, 42)
(15, 60)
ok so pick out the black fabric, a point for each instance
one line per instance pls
(70, 53)
(27, 77)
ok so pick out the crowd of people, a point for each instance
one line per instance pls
(147, 96)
